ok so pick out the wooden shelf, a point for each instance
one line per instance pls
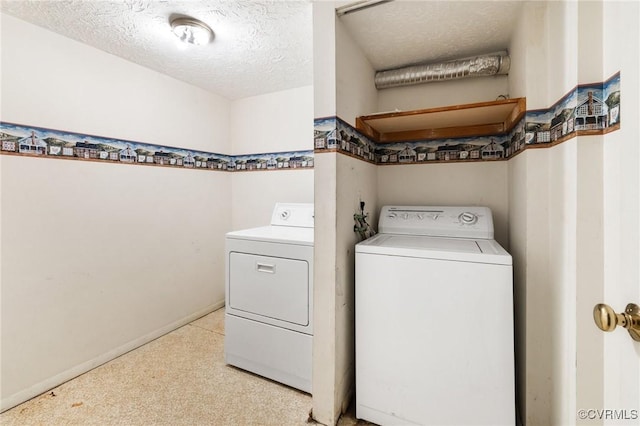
(456, 121)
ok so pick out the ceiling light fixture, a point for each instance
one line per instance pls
(191, 31)
(359, 5)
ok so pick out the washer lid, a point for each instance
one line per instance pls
(275, 234)
(458, 249)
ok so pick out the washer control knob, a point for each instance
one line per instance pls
(284, 214)
(392, 215)
(468, 218)
(405, 216)
(420, 216)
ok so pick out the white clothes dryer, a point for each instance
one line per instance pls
(269, 297)
(434, 320)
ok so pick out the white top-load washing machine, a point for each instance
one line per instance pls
(269, 297)
(434, 320)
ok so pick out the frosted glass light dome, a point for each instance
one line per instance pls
(191, 31)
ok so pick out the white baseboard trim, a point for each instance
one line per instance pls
(54, 381)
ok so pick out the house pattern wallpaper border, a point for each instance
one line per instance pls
(17, 139)
(587, 109)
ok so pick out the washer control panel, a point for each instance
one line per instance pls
(437, 221)
(293, 214)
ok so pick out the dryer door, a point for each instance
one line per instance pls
(273, 287)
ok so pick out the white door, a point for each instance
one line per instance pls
(621, 179)
(622, 211)
(621, 354)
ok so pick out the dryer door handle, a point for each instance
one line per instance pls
(266, 267)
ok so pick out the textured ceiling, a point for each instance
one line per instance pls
(259, 46)
(266, 46)
(402, 33)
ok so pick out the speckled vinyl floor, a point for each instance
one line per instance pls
(178, 379)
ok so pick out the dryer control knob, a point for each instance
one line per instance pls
(468, 218)
(284, 214)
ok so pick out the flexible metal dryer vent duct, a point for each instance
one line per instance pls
(477, 66)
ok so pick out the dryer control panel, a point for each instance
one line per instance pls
(437, 221)
(293, 214)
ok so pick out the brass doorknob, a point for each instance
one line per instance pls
(607, 320)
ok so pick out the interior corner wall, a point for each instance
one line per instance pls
(544, 205)
(356, 91)
(567, 169)
(557, 202)
(528, 224)
(517, 171)
(274, 122)
(325, 407)
(528, 50)
(324, 319)
(589, 373)
(99, 258)
(356, 182)
(324, 59)
(343, 87)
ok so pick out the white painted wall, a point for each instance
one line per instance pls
(588, 224)
(340, 183)
(544, 201)
(484, 184)
(324, 64)
(74, 87)
(356, 181)
(254, 194)
(356, 92)
(274, 122)
(324, 319)
(324, 298)
(569, 206)
(100, 258)
(565, 215)
(528, 50)
(529, 224)
(559, 320)
(517, 170)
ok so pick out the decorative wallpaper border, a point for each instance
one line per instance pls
(17, 139)
(586, 110)
(334, 134)
(272, 161)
